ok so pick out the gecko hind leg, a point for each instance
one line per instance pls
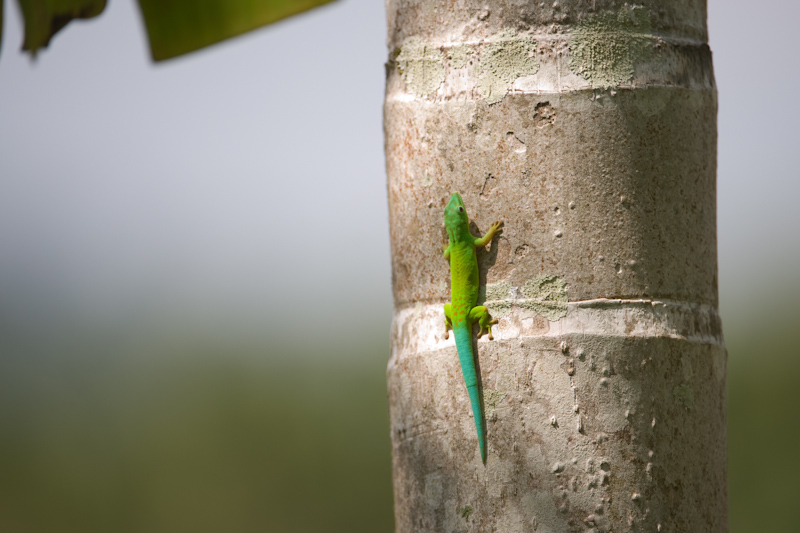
(480, 314)
(448, 320)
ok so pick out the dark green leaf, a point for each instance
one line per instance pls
(177, 27)
(43, 18)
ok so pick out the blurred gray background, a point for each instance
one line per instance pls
(195, 279)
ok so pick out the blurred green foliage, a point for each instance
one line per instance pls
(174, 27)
(177, 27)
(104, 433)
(763, 394)
(44, 18)
(182, 438)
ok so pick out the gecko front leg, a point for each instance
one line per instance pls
(486, 239)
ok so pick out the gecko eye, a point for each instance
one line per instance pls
(461, 209)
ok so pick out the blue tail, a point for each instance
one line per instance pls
(463, 336)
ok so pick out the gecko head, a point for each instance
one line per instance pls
(455, 213)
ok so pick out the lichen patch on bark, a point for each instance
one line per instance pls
(506, 57)
(605, 48)
(459, 56)
(421, 66)
(545, 294)
(491, 398)
(683, 395)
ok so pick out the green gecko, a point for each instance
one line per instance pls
(462, 313)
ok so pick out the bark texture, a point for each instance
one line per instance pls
(589, 127)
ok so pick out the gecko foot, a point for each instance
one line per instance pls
(488, 329)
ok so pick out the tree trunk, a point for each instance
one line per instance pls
(589, 128)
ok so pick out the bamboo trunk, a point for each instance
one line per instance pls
(590, 129)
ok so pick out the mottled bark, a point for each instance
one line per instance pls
(589, 127)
